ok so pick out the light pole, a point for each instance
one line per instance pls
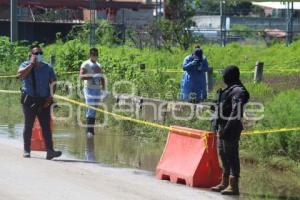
(222, 31)
(13, 21)
(92, 23)
(289, 18)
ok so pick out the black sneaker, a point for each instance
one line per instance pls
(53, 154)
(26, 154)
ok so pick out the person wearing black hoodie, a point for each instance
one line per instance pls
(229, 111)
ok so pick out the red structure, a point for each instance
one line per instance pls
(111, 6)
(81, 4)
(190, 157)
(50, 16)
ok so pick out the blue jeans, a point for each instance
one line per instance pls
(92, 97)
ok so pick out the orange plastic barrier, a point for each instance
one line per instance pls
(190, 157)
(37, 139)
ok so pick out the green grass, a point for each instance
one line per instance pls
(279, 91)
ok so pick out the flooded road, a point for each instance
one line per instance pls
(113, 149)
(106, 147)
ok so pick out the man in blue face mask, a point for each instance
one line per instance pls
(38, 87)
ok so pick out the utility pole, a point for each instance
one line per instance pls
(93, 16)
(13, 20)
(160, 9)
(156, 26)
(222, 23)
(289, 26)
(123, 26)
(159, 20)
(156, 8)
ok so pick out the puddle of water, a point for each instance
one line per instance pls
(107, 147)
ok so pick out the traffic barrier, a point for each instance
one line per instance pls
(37, 138)
(190, 159)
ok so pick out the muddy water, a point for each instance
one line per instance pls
(110, 148)
(106, 147)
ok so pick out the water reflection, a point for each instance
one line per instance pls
(109, 147)
(89, 153)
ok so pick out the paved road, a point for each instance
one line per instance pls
(65, 179)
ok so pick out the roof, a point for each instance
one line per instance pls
(277, 33)
(75, 4)
(276, 5)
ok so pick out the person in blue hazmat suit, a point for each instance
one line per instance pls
(193, 83)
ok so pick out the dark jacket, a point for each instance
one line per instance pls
(230, 108)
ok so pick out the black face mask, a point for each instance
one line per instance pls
(227, 80)
(231, 75)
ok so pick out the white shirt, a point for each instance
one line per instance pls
(91, 69)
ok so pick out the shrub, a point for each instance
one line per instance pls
(282, 112)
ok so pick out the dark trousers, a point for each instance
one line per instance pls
(44, 117)
(228, 152)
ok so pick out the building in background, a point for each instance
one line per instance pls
(58, 14)
(277, 9)
(133, 17)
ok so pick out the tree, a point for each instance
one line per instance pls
(179, 10)
(208, 7)
(231, 8)
(241, 8)
(175, 27)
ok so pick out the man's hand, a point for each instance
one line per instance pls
(22, 73)
(33, 60)
(48, 102)
(196, 61)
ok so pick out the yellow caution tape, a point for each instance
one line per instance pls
(242, 71)
(142, 122)
(281, 130)
(179, 71)
(156, 125)
(10, 76)
(146, 123)
(112, 114)
(10, 92)
(165, 71)
(15, 76)
(63, 73)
